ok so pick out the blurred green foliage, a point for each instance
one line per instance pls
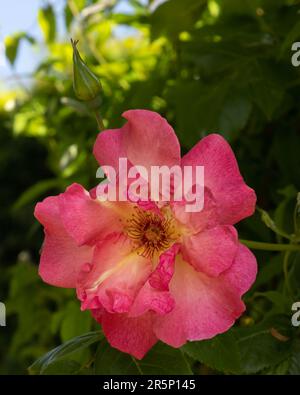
(207, 66)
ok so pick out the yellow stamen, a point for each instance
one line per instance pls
(150, 232)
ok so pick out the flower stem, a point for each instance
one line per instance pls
(137, 366)
(258, 245)
(99, 121)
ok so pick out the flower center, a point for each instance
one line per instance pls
(150, 232)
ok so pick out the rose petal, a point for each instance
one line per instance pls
(155, 295)
(131, 335)
(197, 221)
(204, 306)
(86, 219)
(147, 139)
(211, 251)
(61, 259)
(116, 276)
(234, 198)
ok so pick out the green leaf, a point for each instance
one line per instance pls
(11, 47)
(68, 16)
(220, 353)
(292, 36)
(75, 322)
(203, 116)
(76, 105)
(236, 7)
(64, 350)
(47, 22)
(162, 359)
(267, 92)
(79, 4)
(287, 158)
(35, 191)
(284, 212)
(235, 114)
(62, 367)
(259, 349)
(289, 366)
(244, 350)
(281, 303)
(175, 16)
(12, 44)
(271, 269)
(294, 360)
(268, 221)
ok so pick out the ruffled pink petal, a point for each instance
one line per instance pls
(204, 306)
(234, 198)
(147, 139)
(198, 220)
(115, 277)
(131, 335)
(61, 259)
(242, 274)
(164, 271)
(211, 251)
(86, 219)
(154, 295)
(152, 299)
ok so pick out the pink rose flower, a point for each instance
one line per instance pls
(152, 272)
